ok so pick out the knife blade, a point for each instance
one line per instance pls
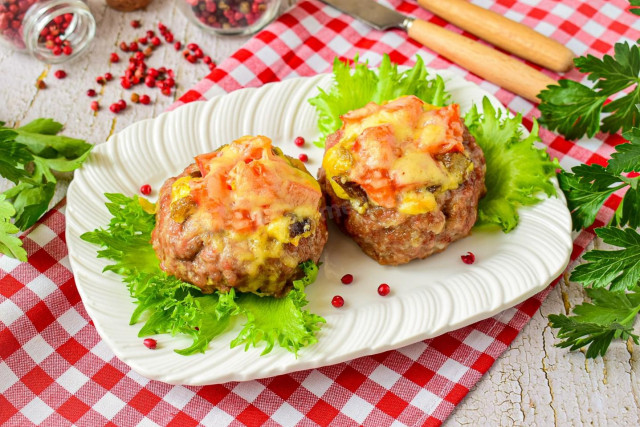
(372, 13)
(480, 59)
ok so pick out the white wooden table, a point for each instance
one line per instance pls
(533, 383)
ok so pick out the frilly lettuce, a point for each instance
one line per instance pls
(355, 87)
(517, 171)
(169, 305)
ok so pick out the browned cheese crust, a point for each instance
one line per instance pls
(213, 261)
(393, 238)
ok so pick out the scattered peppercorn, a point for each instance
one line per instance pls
(95, 106)
(150, 343)
(60, 74)
(40, 84)
(347, 279)
(303, 158)
(383, 290)
(145, 189)
(469, 258)
(337, 301)
(299, 141)
(135, 23)
(137, 72)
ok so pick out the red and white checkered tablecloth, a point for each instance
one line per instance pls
(55, 370)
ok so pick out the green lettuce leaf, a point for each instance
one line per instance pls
(168, 305)
(355, 87)
(517, 171)
(281, 321)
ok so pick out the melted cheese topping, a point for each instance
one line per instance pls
(390, 151)
(253, 194)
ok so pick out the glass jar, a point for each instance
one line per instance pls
(230, 17)
(52, 31)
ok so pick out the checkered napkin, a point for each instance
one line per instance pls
(55, 370)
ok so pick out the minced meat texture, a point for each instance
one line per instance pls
(393, 238)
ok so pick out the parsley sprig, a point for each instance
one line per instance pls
(609, 316)
(612, 277)
(575, 110)
(29, 155)
(588, 187)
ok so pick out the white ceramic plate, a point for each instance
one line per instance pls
(428, 297)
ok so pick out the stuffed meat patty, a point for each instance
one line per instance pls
(243, 217)
(403, 179)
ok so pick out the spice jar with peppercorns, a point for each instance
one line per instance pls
(230, 17)
(52, 31)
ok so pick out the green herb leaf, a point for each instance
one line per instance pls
(575, 110)
(618, 269)
(13, 156)
(517, 172)
(28, 157)
(9, 244)
(571, 108)
(62, 164)
(588, 187)
(635, 7)
(627, 156)
(43, 126)
(355, 87)
(49, 145)
(172, 306)
(31, 203)
(609, 316)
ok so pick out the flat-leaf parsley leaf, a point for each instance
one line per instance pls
(574, 109)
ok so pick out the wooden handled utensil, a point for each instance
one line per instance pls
(478, 58)
(503, 32)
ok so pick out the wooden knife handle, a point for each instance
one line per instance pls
(503, 32)
(482, 60)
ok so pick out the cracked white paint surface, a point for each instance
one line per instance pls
(533, 383)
